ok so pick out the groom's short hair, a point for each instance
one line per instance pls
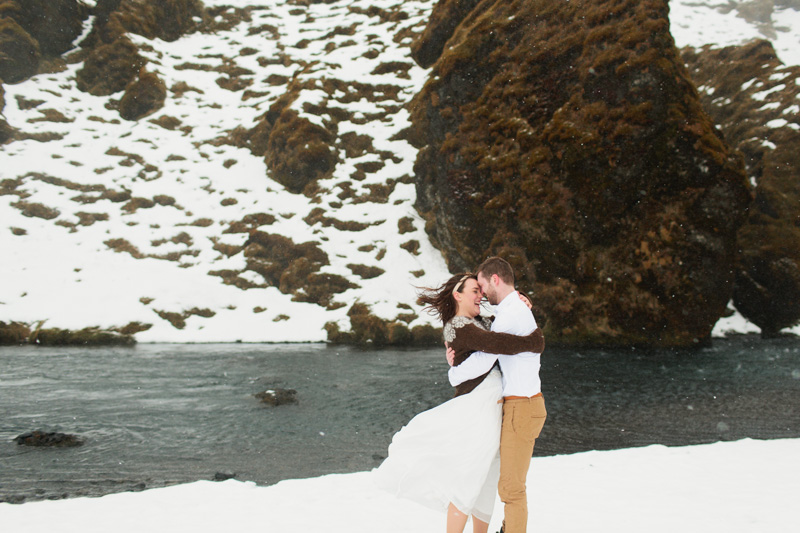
(498, 266)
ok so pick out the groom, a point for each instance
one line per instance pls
(523, 405)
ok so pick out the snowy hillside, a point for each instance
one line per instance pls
(116, 222)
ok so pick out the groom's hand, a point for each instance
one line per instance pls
(451, 355)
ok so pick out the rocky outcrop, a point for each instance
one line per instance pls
(753, 97)
(296, 151)
(568, 138)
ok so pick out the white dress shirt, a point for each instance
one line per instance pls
(520, 371)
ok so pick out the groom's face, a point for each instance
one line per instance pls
(487, 289)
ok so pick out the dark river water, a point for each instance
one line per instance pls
(154, 415)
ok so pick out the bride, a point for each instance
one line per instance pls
(447, 458)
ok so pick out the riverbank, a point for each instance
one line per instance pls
(369, 331)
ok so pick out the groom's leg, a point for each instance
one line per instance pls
(523, 420)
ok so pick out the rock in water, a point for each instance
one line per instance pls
(568, 138)
(278, 396)
(50, 439)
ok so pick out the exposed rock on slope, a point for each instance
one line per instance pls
(113, 62)
(34, 29)
(567, 137)
(754, 99)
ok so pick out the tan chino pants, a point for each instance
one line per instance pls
(523, 420)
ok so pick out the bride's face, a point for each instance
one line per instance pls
(469, 299)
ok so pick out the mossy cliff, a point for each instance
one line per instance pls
(568, 138)
(753, 98)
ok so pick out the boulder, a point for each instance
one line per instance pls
(568, 138)
(49, 439)
(143, 97)
(752, 96)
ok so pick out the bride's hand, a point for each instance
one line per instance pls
(450, 355)
(525, 301)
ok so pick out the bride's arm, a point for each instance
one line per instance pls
(472, 338)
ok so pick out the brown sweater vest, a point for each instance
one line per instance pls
(471, 337)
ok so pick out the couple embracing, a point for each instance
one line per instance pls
(460, 454)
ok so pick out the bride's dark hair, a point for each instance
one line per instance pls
(439, 301)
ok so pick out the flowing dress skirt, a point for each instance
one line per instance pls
(450, 453)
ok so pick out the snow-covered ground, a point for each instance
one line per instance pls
(71, 270)
(746, 486)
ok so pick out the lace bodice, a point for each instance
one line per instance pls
(461, 321)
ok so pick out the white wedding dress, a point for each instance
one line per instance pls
(450, 453)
